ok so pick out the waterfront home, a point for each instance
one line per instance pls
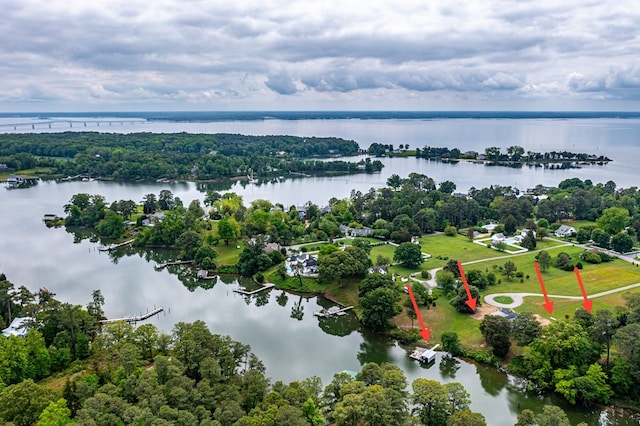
(153, 218)
(303, 263)
(15, 180)
(378, 270)
(356, 232)
(565, 231)
(498, 238)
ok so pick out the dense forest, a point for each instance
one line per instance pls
(70, 369)
(176, 156)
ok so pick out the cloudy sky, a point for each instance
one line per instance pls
(99, 55)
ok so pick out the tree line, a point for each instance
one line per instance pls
(177, 156)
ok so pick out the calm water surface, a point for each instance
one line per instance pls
(280, 327)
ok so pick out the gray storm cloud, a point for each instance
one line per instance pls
(101, 54)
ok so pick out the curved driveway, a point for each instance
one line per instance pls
(518, 298)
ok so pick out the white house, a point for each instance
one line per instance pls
(356, 232)
(565, 231)
(497, 238)
(508, 314)
(18, 327)
(378, 270)
(306, 263)
(490, 226)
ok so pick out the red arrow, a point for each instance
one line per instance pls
(587, 303)
(547, 305)
(472, 301)
(426, 332)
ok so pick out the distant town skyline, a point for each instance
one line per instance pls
(319, 55)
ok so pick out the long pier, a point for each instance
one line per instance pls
(160, 266)
(333, 311)
(246, 292)
(136, 318)
(115, 246)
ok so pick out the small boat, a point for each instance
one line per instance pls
(331, 312)
(251, 178)
(424, 355)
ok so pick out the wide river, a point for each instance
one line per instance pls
(280, 327)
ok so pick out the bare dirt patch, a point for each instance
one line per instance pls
(482, 311)
(543, 321)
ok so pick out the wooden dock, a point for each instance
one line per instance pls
(424, 355)
(246, 292)
(175, 262)
(136, 318)
(333, 311)
(115, 246)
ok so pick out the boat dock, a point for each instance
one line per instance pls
(333, 311)
(246, 292)
(136, 318)
(115, 246)
(176, 262)
(424, 355)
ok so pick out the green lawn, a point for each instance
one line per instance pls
(28, 173)
(579, 223)
(458, 247)
(387, 250)
(227, 254)
(445, 318)
(596, 278)
(564, 307)
(503, 299)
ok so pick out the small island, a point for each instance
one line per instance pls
(514, 156)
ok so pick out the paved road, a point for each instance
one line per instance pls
(518, 298)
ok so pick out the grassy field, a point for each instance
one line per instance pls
(227, 254)
(27, 173)
(564, 307)
(458, 247)
(445, 318)
(386, 250)
(579, 223)
(596, 278)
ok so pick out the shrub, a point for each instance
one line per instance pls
(304, 249)
(563, 261)
(579, 265)
(606, 257)
(406, 336)
(425, 275)
(519, 274)
(591, 258)
(259, 277)
(227, 269)
(450, 231)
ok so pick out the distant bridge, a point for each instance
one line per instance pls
(50, 123)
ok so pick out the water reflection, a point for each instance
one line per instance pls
(297, 310)
(492, 381)
(449, 366)
(282, 298)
